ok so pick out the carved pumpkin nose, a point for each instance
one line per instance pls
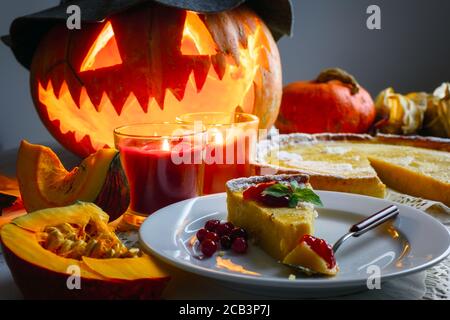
(150, 64)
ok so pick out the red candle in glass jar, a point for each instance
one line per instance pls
(163, 164)
(156, 180)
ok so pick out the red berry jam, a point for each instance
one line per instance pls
(274, 202)
(255, 193)
(322, 248)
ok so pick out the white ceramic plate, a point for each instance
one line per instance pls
(413, 242)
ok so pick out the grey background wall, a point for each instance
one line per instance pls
(411, 52)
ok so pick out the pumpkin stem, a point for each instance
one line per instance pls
(341, 75)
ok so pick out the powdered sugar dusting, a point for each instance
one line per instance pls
(289, 156)
(243, 183)
(337, 150)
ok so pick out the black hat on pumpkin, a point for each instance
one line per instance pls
(26, 31)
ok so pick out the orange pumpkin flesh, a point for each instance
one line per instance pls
(42, 274)
(330, 105)
(152, 64)
(45, 183)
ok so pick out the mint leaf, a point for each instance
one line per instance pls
(293, 201)
(294, 184)
(277, 190)
(307, 195)
(294, 192)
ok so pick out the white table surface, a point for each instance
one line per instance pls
(182, 286)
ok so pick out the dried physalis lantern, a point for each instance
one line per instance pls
(400, 114)
(150, 64)
(437, 117)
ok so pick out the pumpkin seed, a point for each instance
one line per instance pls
(135, 252)
(110, 253)
(132, 253)
(92, 240)
(90, 247)
(78, 249)
(66, 228)
(55, 240)
(50, 229)
(65, 247)
(100, 250)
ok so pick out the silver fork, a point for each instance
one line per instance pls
(359, 229)
(368, 224)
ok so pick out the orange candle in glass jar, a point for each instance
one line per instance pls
(230, 147)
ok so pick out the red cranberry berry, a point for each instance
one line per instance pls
(231, 225)
(212, 236)
(201, 234)
(224, 229)
(240, 245)
(211, 225)
(225, 242)
(208, 247)
(238, 233)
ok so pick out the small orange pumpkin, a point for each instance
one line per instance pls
(334, 102)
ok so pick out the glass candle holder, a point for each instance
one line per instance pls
(230, 148)
(163, 165)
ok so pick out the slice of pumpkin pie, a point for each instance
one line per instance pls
(313, 254)
(275, 210)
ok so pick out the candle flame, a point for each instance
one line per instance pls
(165, 145)
(218, 138)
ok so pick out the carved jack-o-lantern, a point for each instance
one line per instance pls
(153, 63)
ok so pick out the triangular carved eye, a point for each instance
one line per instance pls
(196, 37)
(103, 52)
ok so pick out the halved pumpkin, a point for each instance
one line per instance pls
(41, 271)
(11, 205)
(9, 195)
(45, 183)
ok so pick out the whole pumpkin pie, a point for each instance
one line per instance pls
(275, 210)
(363, 164)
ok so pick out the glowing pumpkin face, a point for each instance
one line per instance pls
(149, 64)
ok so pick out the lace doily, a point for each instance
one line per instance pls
(418, 203)
(437, 279)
